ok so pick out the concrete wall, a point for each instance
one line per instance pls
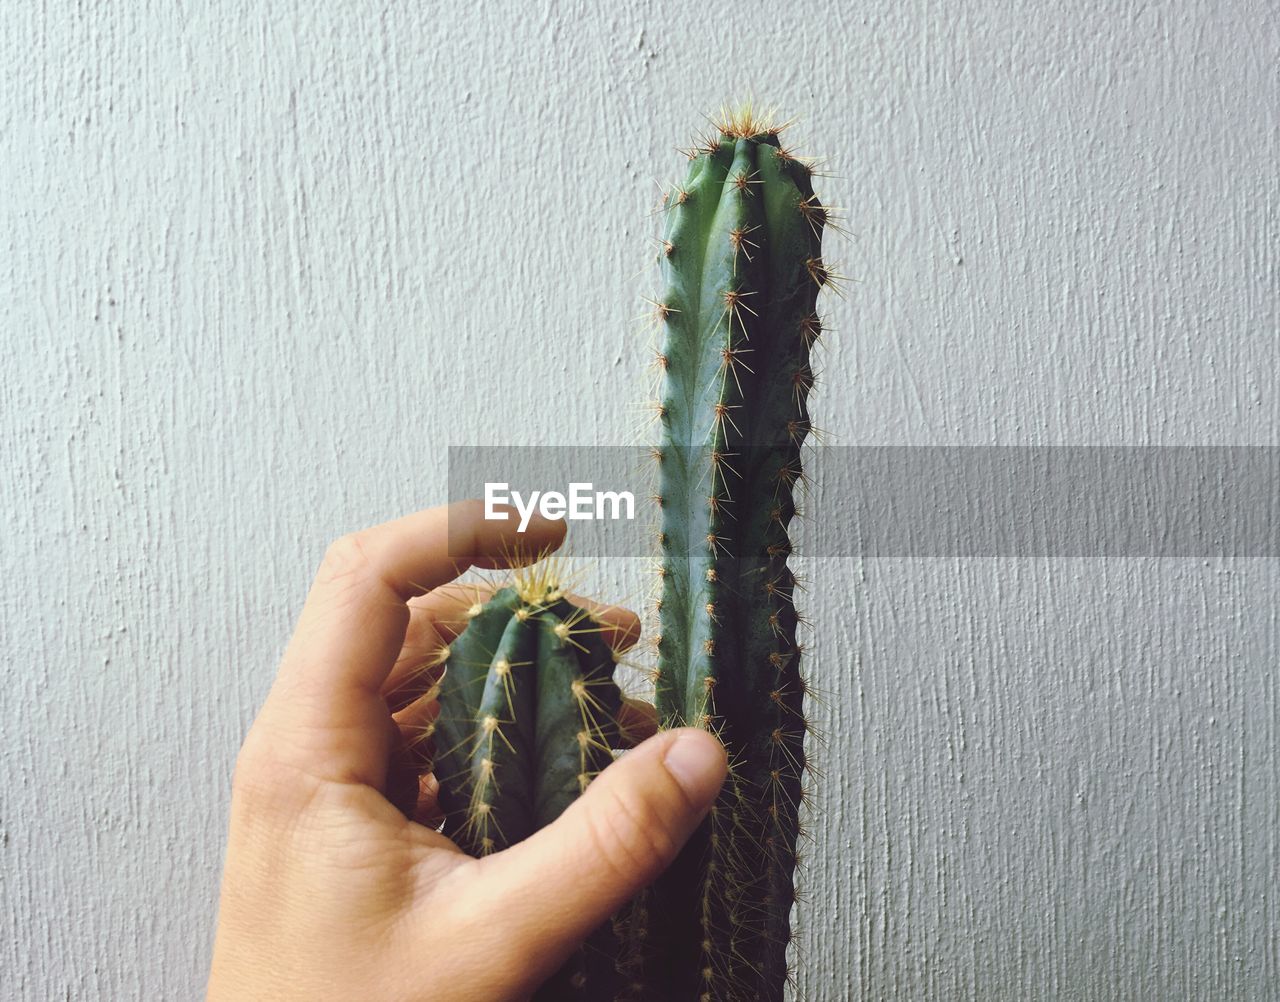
(262, 263)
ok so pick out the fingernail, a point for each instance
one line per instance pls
(697, 761)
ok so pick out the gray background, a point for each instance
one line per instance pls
(260, 264)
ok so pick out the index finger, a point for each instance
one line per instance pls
(327, 693)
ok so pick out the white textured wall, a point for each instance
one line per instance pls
(261, 263)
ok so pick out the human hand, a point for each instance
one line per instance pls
(330, 891)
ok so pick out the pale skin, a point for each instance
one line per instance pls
(336, 883)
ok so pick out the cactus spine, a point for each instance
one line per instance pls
(528, 716)
(742, 267)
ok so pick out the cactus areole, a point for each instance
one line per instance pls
(742, 267)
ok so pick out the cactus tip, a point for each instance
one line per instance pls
(746, 122)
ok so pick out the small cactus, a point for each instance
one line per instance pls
(742, 267)
(528, 717)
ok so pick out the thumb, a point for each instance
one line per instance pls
(556, 886)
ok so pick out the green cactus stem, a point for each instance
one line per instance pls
(742, 267)
(528, 717)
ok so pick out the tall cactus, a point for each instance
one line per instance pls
(742, 267)
(528, 716)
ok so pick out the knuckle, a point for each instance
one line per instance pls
(629, 835)
(261, 782)
(253, 770)
(347, 558)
